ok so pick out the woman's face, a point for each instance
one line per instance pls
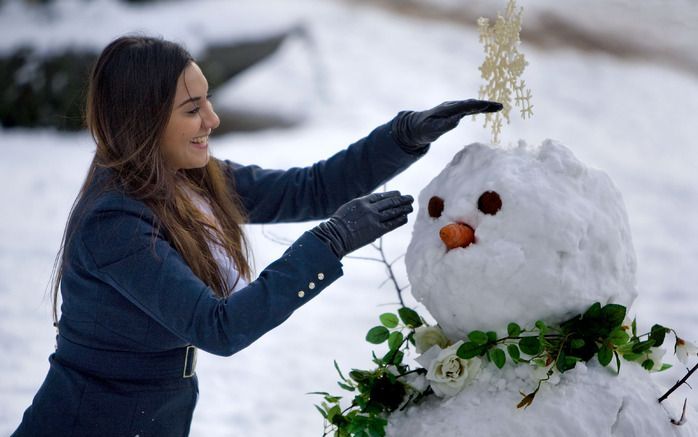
(185, 141)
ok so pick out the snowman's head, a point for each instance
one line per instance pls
(518, 235)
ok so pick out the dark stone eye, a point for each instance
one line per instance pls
(489, 202)
(436, 207)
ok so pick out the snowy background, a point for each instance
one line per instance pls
(625, 103)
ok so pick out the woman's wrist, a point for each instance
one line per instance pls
(327, 233)
(400, 131)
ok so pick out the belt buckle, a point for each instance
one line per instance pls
(189, 366)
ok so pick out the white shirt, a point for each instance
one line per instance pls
(225, 264)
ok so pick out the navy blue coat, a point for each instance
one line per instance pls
(132, 306)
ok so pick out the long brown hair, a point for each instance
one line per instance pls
(129, 100)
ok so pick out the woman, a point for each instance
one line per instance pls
(154, 262)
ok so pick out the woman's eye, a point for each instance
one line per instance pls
(194, 111)
(489, 202)
(435, 207)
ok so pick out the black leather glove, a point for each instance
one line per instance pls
(362, 220)
(416, 130)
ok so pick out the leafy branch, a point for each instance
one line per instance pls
(600, 332)
(377, 392)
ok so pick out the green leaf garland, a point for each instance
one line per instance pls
(598, 332)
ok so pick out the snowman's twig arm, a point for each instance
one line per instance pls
(396, 259)
(678, 384)
(389, 267)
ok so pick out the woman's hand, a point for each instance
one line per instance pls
(363, 220)
(415, 130)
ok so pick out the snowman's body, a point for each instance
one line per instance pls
(551, 237)
(588, 401)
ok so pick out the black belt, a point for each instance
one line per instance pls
(175, 363)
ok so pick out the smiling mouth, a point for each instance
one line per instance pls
(200, 140)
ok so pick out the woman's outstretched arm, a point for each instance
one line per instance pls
(315, 192)
(119, 245)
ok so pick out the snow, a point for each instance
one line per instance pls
(633, 118)
(588, 401)
(256, 91)
(92, 25)
(560, 242)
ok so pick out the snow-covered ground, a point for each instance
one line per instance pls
(356, 67)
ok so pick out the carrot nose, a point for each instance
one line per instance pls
(457, 235)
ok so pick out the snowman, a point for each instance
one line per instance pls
(519, 235)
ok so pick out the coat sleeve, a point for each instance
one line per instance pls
(315, 192)
(121, 246)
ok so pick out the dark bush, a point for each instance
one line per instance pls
(38, 89)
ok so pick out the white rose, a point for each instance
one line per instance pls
(448, 373)
(427, 336)
(427, 357)
(684, 349)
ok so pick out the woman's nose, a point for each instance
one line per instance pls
(209, 118)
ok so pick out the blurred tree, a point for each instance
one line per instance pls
(46, 91)
(44, 2)
(39, 89)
